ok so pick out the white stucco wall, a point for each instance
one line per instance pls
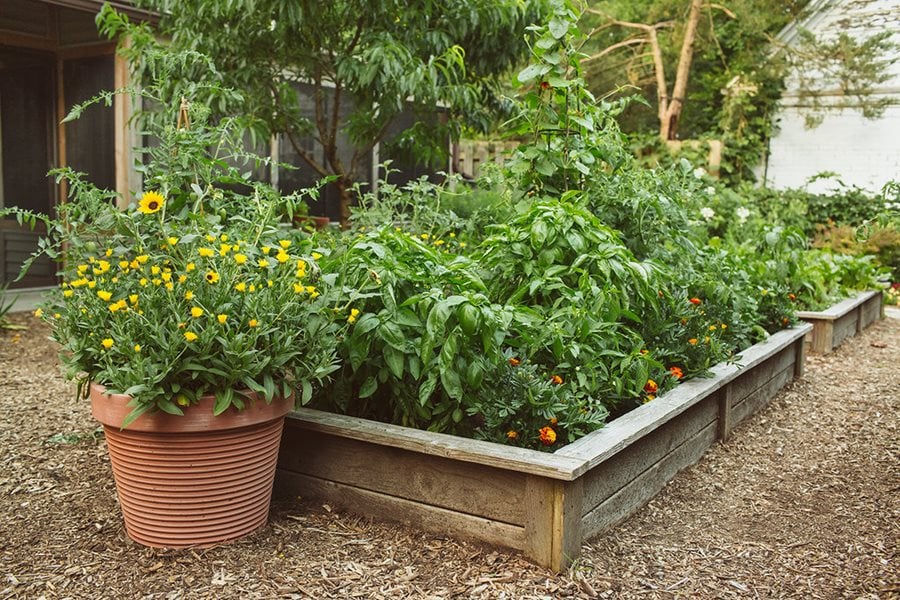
(863, 152)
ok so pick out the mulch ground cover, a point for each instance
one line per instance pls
(801, 502)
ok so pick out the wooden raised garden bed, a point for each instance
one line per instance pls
(538, 503)
(841, 321)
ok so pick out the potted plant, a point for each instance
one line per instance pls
(192, 321)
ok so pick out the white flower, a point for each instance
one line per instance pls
(699, 172)
(710, 190)
(272, 25)
(707, 213)
(742, 214)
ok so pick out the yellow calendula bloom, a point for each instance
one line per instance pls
(172, 240)
(154, 270)
(223, 237)
(241, 286)
(210, 237)
(91, 284)
(284, 244)
(189, 295)
(166, 276)
(117, 306)
(182, 278)
(142, 258)
(224, 249)
(212, 277)
(156, 281)
(68, 293)
(81, 269)
(169, 286)
(107, 343)
(102, 267)
(439, 242)
(222, 318)
(282, 257)
(190, 267)
(143, 282)
(316, 256)
(424, 236)
(39, 313)
(354, 313)
(196, 312)
(133, 298)
(206, 252)
(252, 288)
(299, 288)
(137, 348)
(252, 322)
(134, 264)
(240, 258)
(151, 202)
(123, 264)
(104, 295)
(263, 263)
(190, 336)
(265, 249)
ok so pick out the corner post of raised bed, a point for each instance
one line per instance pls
(553, 521)
(799, 358)
(726, 420)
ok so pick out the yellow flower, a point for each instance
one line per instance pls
(210, 237)
(190, 267)
(299, 288)
(196, 312)
(190, 336)
(424, 236)
(270, 283)
(252, 288)
(222, 318)
(117, 306)
(134, 264)
(354, 313)
(92, 284)
(189, 295)
(252, 322)
(107, 343)
(172, 240)
(224, 249)
(68, 293)
(212, 277)
(170, 286)
(712, 327)
(123, 264)
(206, 252)
(316, 256)
(240, 258)
(143, 282)
(154, 270)
(137, 348)
(182, 278)
(439, 242)
(104, 295)
(39, 313)
(265, 249)
(263, 263)
(282, 257)
(241, 287)
(151, 202)
(82, 269)
(167, 276)
(142, 258)
(223, 237)
(133, 298)
(284, 244)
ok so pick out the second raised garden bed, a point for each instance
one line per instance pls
(841, 321)
(541, 504)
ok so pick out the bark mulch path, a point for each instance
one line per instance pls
(801, 502)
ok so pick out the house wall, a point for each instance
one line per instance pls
(863, 152)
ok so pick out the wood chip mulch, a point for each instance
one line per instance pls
(801, 502)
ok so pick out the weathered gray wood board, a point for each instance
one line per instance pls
(541, 504)
(843, 320)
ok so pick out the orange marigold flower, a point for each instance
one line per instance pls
(556, 379)
(548, 436)
(692, 341)
(651, 387)
(676, 372)
(515, 361)
(512, 434)
(695, 301)
(792, 297)
(554, 421)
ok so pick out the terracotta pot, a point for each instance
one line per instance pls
(308, 221)
(196, 480)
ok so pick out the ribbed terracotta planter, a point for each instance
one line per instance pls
(192, 481)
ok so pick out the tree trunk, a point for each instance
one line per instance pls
(668, 126)
(344, 199)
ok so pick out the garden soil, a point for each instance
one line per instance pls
(803, 501)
